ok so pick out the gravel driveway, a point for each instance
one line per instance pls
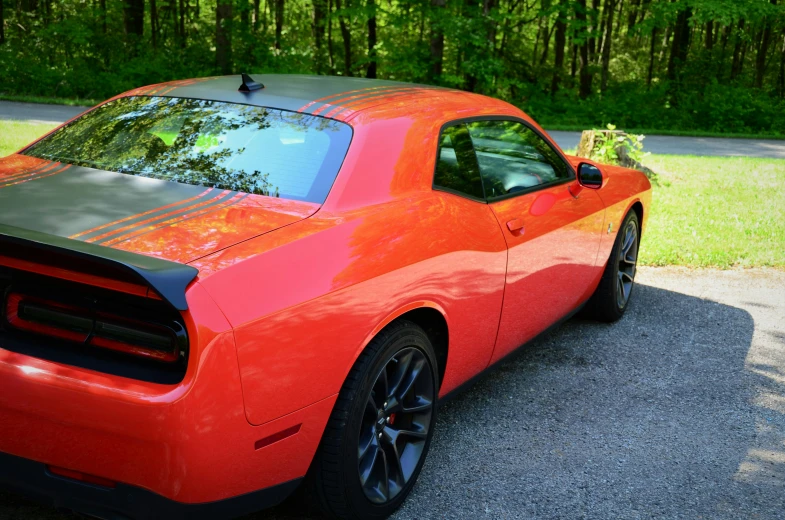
(677, 411)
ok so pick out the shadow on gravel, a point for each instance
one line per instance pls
(658, 415)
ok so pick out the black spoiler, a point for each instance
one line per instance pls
(168, 279)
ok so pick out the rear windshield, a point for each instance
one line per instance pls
(208, 143)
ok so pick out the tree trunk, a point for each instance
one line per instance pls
(710, 35)
(103, 15)
(680, 45)
(437, 40)
(347, 40)
(651, 56)
(736, 64)
(183, 35)
(319, 17)
(279, 8)
(782, 69)
(606, 44)
(371, 71)
(153, 23)
(619, 18)
(558, 59)
(594, 19)
(632, 18)
(223, 41)
(256, 4)
(547, 44)
(133, 17)
(585, 74)
(330, 51)
(763, 50)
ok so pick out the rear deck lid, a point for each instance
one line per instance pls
(159, 218)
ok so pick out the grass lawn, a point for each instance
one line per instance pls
(716, 212)
(14, 135)
(706, 211)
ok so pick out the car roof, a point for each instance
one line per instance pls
(335, 97)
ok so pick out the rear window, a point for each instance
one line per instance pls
(208, 143)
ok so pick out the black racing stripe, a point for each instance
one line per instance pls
(80, 199)
(167, 210)
(129, 233)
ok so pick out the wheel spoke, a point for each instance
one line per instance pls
(384, 486)
(411, 379)
(412, 434)
(421, 405)
(368, 463)
(401, 371)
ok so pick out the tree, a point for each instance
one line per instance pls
(680, 43)
(133, 18)
(561, 40)
(606, 42)
(583, 51)
(371, 70)
(223, 36)
(436, 41)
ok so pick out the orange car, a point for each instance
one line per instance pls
(213, 289)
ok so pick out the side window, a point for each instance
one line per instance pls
(512, 158)
(456, 163)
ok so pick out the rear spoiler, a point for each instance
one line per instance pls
(168, 279)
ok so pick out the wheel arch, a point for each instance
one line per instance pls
(430, 317)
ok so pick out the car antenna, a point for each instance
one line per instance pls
(249, 84)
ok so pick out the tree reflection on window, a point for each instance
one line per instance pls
(223, 145)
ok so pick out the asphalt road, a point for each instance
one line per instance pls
(655, 143)
(677, 411)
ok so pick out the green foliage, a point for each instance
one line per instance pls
(607, 145)
(731, 79)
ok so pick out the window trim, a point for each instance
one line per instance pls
(515, 119)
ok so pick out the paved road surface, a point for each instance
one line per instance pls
(713, 146)
(677, 411)
(655, 143)
(39, 113)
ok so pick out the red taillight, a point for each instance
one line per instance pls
(64, 321)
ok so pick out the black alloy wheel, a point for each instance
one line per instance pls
(612, 296)
(379, 432)
(395, 425)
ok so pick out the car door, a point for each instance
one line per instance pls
(551, 225)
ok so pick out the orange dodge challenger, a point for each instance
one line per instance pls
(215, 289)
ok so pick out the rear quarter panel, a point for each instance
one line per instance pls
(304, 310)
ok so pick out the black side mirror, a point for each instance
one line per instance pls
(590, 176)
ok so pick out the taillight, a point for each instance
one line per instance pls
(97, 329)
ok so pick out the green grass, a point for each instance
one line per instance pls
(50, 100)
(706, 211)
(14, 135)
(716, 212)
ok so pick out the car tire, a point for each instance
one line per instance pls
(373, 447)
(612, 296)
